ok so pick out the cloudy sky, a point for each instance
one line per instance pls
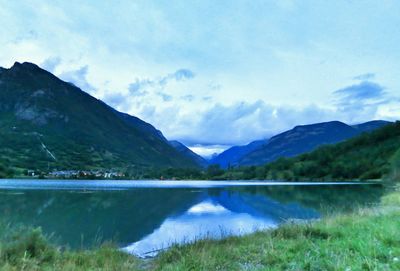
(217, 73)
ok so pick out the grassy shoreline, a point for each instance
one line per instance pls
(365, 240)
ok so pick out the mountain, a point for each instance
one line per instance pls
(373, 155)
(181, 148)
(46, 124)
(231, 156)
(135, 122)
(189, 153)
(370, 125)
(300, 139)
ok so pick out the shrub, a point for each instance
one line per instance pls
(24, 243)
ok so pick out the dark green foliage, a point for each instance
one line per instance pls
(20, 243)
(395, 163)
(165, 173)
(214, 171)
(5, 172)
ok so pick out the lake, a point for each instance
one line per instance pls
(144, 217)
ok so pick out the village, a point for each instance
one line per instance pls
(77, 174)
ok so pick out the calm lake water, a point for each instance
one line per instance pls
(143, 217)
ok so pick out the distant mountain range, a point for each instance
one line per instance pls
(46, 123)
(232, 156)
(296, 141)
(369, 156)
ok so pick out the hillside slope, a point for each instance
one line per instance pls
(367, 156)
(188, 153)
(370, 125)
(305, 138)
(46, 123)
(232, 156)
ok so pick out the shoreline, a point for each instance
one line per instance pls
(367, 238)
(132, 184)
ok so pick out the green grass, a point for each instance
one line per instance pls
(392, 199)
(30, 250)
(368, 239)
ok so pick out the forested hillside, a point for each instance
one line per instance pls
(371, 155)
(301, 139)
(47, 124)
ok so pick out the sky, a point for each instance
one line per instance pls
(213, 74)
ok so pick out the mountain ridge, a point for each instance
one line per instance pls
(188, 152)
(41, 114)
(298, 140)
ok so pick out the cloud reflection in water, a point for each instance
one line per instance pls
(206, 219)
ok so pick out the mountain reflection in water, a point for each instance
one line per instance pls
(145, 220)
(203, 220)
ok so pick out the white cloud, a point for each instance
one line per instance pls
(207, 151)
(79, 78)
(50, 64)
(250, 70)
(365, 76)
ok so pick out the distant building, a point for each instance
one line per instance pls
(85, 173)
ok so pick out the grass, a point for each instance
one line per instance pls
(30, 250)
(365, 240)
(392, 199)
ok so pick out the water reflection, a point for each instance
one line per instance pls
(220, 213)
(148, 219)
(206, 219)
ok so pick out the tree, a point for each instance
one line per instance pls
(396, 166)
(214, 171)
